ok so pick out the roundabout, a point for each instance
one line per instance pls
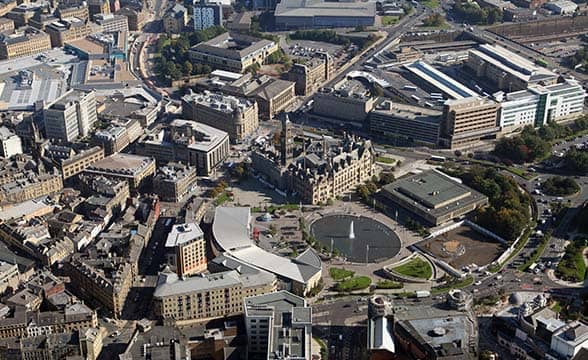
(358, 238)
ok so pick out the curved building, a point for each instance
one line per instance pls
(231, 229)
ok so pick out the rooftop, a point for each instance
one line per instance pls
(218, 102)
(320, 8)
(169, 284)
(232, 45)
(512, 63)
(450, 86)
(416, 113)
(183, 233)
(121, 163)
(231, 232)
(209, 137)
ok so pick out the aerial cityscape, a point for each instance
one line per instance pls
(293, 179)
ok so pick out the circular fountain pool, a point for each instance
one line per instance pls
(356, 236)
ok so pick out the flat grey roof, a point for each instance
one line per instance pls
(169, 284)
(430, 188)
(183, 233)
(319, 8)
(450, 86)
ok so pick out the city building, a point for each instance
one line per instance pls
(459, 300)
(67, 29)
(406, 124)
(10, 143)
(272, 95)
(506, 70)
(186, 243)
(78, 11)
(98, 7)
(316, 170)
(71, 116)
(298, 14)
(112, 22)
(562, 7)
(189, 142)
(380, 336)
(135, 17)
(348, 100)
(279, 325)
(22, 179)
(176, 19)
(75, 163)
(312, 74)
(203, 298)
(233, 52)
(22, 13)
(23, 323)
(432, 79)
(113, 139)
(134, 103)
(174, 181)
(105, 281)
(431, 333)
(136, 170)
(467, 121)
(231, 235)
(6, 25)
(236, 116)
(529, 4)
(25, 41)
(9, 276)
(433, 197)
(207, 14)
(570, 339)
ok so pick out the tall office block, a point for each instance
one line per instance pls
(207, 14)
(71, 116)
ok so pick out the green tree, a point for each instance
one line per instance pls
(187, 67)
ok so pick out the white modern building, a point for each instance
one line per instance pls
(540, 104)
(231, 231)
(10, 143)
(279, 326)
(562, 7)
(432, 77)
(71, 116)
(568, 341)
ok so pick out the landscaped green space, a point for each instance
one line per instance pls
(536, 253)
(385, 160)
(572, 266)
(431, 4)
(273, 208)
(354, 283)
(454, 284)
(389, 20)
(222, 198)
(416, 267)
(388, 284)
(340, 274)
(508, 211)
(580, 221)
(560, 186)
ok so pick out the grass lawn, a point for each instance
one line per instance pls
(431, 4)
(572, 266)
(453, 285)
(272, 208)
(389, 20)
(385, 160)
(416, 267)
(535, 254)
(354, 283)
(443, 26)
(388, 284)
(556, 307)
(340, 274)
(221, 199)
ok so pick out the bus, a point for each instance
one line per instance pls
(438, 158)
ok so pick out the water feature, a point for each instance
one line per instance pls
(358, 238)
